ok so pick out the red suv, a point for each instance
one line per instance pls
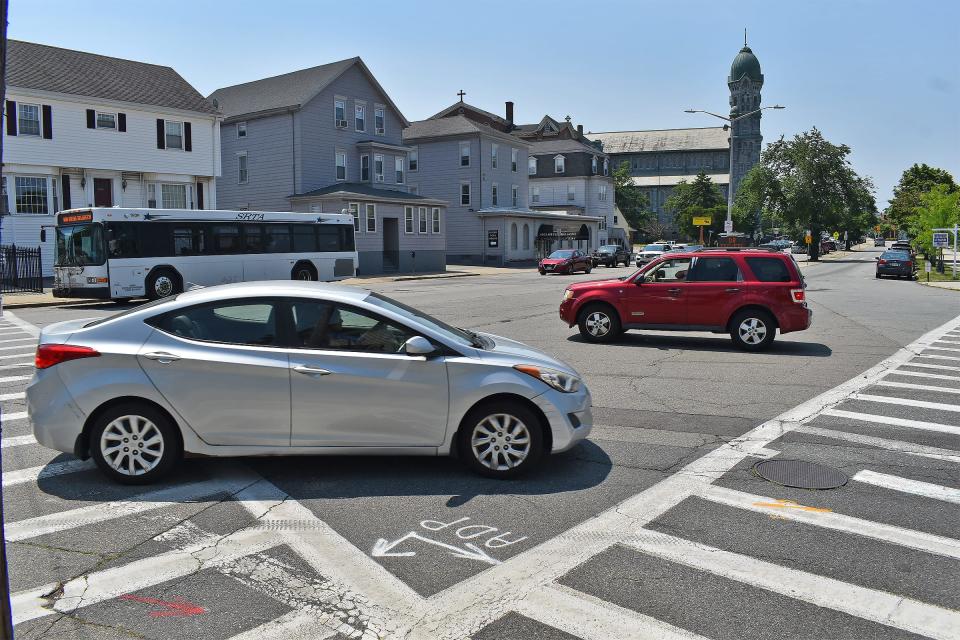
(748, 293)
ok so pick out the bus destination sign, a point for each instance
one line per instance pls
(74, 218)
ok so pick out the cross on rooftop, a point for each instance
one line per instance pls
(461, 93)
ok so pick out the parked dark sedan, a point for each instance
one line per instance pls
(895, 263)
(565, 261)
(611, 255)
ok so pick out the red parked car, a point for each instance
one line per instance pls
(565, 261)
(748, 293)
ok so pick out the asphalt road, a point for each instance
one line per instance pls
(655, 527)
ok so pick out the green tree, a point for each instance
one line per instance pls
(915, 181)
(939, 207)
(807, 182)
(695, 199)
(860, 212)
(631, 200)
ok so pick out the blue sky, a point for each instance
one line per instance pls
(880, 76)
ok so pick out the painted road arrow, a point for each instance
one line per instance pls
(178, 607)
(383, 548)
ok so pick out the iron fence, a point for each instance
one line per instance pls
(20, 269)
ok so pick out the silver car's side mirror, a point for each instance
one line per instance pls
(418, 346)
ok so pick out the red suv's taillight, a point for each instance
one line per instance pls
(51, 354)
(798, 295)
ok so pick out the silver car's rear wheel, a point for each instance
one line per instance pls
(501, 438)
(134, 442)
(132, 445)
(500, 442)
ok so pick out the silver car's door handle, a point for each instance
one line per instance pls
(311, 371)
(162, 357)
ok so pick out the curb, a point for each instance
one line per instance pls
(53, 303)
(455, 275)
(935, 285)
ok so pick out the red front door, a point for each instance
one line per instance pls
(659, 297)
(102, 192)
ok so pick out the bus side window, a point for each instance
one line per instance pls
(329, 238)
(226, 238)
(346, 238)
(183, 241)
(277, 238)
(304, 238)
(252, 238)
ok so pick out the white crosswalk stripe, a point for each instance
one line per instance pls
(888, 533)
(33, 474)
(937, 357)
(930, 376)
(20, 395)
(17, 441)
(14, 378)
(907, 485)
(27, 339)
(890, 420)
(934, 453)
(908, 402)
(870, 604)
(918, 387)
(926, 365)
(13, 356)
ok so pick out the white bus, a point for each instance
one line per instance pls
(133, 253)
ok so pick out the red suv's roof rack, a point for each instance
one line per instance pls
(767, 249)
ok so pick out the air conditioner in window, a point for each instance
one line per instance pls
(379, 131)
(341, 124)
(379, 178)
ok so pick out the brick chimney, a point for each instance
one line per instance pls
(509, 112)
(580, 130)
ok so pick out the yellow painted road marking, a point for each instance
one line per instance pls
(790, 504)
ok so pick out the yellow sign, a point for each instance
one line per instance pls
(836, 235)
(702, 221)
(808, 239)
(877, 228)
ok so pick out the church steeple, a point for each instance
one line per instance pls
(745, 81)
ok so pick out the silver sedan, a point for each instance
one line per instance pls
(296, 368)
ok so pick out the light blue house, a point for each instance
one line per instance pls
(329, 139)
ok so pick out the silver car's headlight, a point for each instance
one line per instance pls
(559, 380)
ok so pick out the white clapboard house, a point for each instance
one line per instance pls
(81, 129)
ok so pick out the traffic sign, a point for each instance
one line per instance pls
(808, 239)
(927, 267)
(836, 235)
(702, 221)
(941, 239)
(728, 226)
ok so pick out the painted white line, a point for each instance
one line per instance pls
(10, 417)
(932, 348)
(896, 422)
(934, 453)
(16, 366)
(20, 395)
(923, 404)
(591, 618)
(870, 604)
(906, 485)
(110, 583)
(944, 341)
(290, 626)
(923, 374)
(27, 354)
(462, 609)
(329, 553)
(27, 339)
(33, 474)
(924, 365)
(17, 441)
(927, 542)
(23, 325)
(14, 378)
(936, 357)
(14, 347)
(230, 482)
(918, 387)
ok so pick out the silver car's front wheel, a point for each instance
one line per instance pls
(135, 442)
(501, 438)
(132, 445)
(500, 442)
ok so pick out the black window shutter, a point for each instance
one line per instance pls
(91, 119)
(199, 195)
(11, 118)
(161, 140)
(65, 181)
(121, 122)
(47, 121)
(187, 138)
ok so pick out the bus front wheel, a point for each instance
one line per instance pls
(162, 283)
(304, 271)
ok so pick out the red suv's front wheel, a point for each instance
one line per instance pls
(598, 323)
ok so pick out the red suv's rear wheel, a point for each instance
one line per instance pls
(599, 323)
(753, 330)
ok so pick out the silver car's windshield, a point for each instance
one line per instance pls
(460, 336)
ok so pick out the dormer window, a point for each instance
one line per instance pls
(606, 166)
(531, 166)
(593, 165)
(559, 164)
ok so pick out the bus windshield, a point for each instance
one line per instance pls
(80, 245)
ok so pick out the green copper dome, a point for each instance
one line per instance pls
(745, 64)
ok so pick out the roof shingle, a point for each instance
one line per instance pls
(703, 138)
(45, 68)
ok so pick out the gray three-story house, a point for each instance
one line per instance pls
(470, 158)
(329, 139)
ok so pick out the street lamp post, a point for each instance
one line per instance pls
(730, 122)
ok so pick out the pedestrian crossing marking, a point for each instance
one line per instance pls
(907, 485)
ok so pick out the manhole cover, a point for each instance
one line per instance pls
(800, 474)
